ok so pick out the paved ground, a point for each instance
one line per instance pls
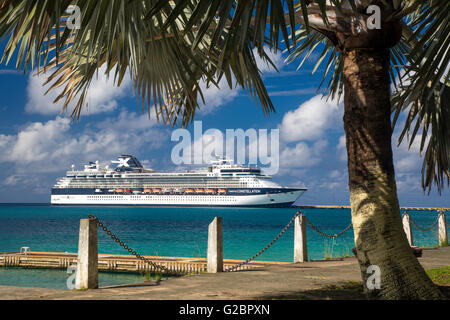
(273, 281)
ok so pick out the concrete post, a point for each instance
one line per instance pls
(407, 228)
(87, 264)
(443, 236)
(215, 246)
(300, 247)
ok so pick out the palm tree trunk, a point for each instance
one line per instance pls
(379, 236)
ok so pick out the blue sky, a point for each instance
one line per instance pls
(38, 143)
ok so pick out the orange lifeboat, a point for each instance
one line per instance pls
(199, 190)
(119, 190)
(189, 190)
(127, 190)
(156, 190)
(222, 190)
(147, 190)
(209, 190)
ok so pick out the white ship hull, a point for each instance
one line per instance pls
(283, 199)
(221, 185)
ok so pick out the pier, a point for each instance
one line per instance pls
(120, 263)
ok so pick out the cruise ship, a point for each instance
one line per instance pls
(222, 184)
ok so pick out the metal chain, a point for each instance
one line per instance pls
(328, 235)
(424, 229)
(235, 267)
(230, 269)
(133, 252)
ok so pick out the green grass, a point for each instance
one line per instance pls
(329, 255)
(440, 276)
(148, 276)
(445, 244)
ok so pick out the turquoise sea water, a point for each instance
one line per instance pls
(173, 232)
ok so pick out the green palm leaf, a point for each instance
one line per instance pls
(424, 91)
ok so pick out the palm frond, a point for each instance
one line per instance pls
(166, 59)
(424, 90)
(429, 120)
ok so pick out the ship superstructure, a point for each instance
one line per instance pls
(223, 183)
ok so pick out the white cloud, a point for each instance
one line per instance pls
(102, 96)
(204, 148)
(408, 182)
(297, 157)
(342, 149)
(306, 128)
(33, 143)
(34, 184)
(5, 140)
(407, 159)
(214, 142)
(216, 96)
(127, 121)
(52, 146)
(407, 162)
(310, 120)
(336, 179)
(334, 174)
(302, 155)
(276, 58)
(294, 92)
(11, 180)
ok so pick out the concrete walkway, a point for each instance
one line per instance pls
(274, 281)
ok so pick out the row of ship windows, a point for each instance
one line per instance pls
(160, 198)
(165, 182)
(159, 187)
(184, 182)
(153, 182)
(250, 185)
(168, 179)
(204, 177)
(187, 185)
(156, 197)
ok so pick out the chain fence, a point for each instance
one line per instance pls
(421, 228)
(236, 267)
(325, 234)
(245, 262)
(133, 252)
(332, 236)
(163, 268)
(425, 229)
